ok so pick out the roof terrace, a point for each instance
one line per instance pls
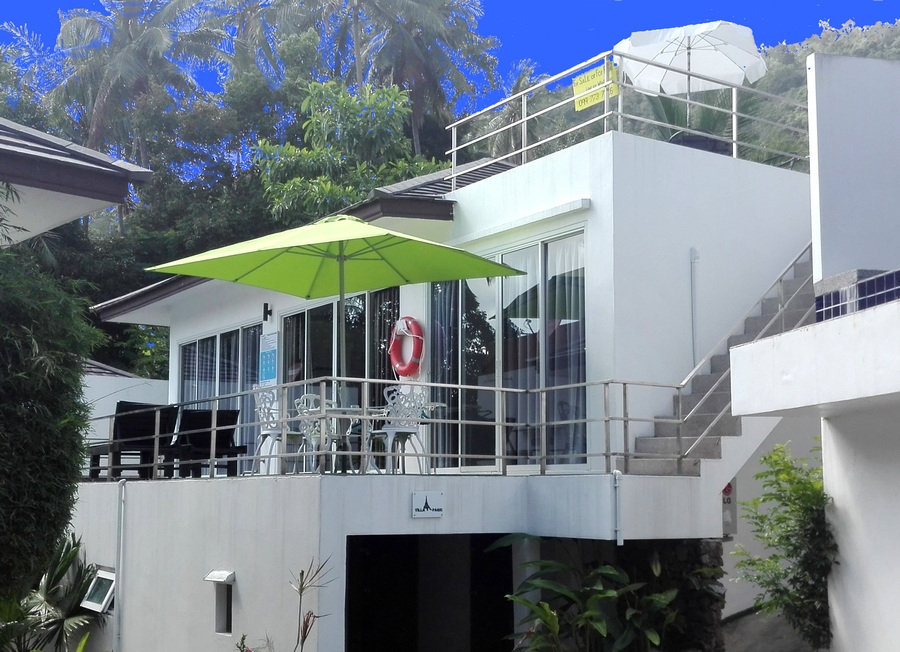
(598, 96)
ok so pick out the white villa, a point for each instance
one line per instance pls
(588, 400)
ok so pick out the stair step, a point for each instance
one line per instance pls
(712, 404)
(735, 340)
(719, 363)
(727, 426)
(701, 383)
(803, 269)
(659, 467)
(792, 285)
(709, 448)
(801, 303)
(790, 319)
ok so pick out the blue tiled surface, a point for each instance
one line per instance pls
(865, 294)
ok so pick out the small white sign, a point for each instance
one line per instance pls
(729, 509)
(427, 504)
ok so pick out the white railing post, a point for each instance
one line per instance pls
(734, 122)
(453, 158)
(524, 129)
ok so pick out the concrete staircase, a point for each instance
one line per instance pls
(665, 441)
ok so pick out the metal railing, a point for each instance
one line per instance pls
(597, 435)
(515, 130)
(603, 429)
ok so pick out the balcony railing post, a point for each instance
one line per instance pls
(734, 121)
(524, 129)
(678, 432)
(323, 429)
(607, 424)
(212, 439)
(156, 428)
(283, 409)
(453, 158)
(627, 439)
(501, 411)
(364, 430)
(543, 431)
(607, 89)
(621, 105)
(110, 454)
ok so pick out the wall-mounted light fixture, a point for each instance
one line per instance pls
(224, 581)
(267, 312)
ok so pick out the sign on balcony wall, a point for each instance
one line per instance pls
(594, 78)
(268, 360)
(729, 508)
(427, 504)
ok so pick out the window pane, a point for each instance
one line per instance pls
(249, 377)
(206, 370)
(443, 352)
(521, 353)
(294, 354)
(188, 372)
(564, 339)
(355, 333)
(478, 368)
(229, 362)
(320, 361)
(385, 307)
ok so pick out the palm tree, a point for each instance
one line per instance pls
(253, 25)
(508, 136)
(116, 56)
(430, 48)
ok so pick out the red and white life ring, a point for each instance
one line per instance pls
(406, 326)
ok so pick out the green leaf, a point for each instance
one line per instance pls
(624, 640)
(556, 587)
(652, 636)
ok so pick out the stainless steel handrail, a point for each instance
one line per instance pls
(608, 58)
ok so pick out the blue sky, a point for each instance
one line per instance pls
(559, 34)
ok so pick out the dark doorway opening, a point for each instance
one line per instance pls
(428, 593)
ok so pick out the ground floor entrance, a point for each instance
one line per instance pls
(420, 593)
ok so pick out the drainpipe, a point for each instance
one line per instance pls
(695, 260)
(617, 490)
(120, 551)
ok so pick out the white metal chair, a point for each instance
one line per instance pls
(266, 404)
(312, 439)
(403, 413)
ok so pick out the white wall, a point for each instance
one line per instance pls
(861, 455)
(819, 368)
(854, 145)
(102, 392)
(262, 528)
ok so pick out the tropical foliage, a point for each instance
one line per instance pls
(591, 606)
(789, 520)
(50, 616)
(44, 340)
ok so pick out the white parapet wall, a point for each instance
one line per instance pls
(854, 143)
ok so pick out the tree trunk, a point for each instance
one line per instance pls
(98, 115)
(357, 45)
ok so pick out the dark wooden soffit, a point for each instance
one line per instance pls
(57, 176)
(409, 207)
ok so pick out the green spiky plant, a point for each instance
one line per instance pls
(50, 617)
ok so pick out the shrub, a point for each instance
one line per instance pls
(44, 339)
(789, 520)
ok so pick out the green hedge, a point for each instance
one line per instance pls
(44, 339)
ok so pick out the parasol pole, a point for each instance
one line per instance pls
(342, 326)
(688, 120)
